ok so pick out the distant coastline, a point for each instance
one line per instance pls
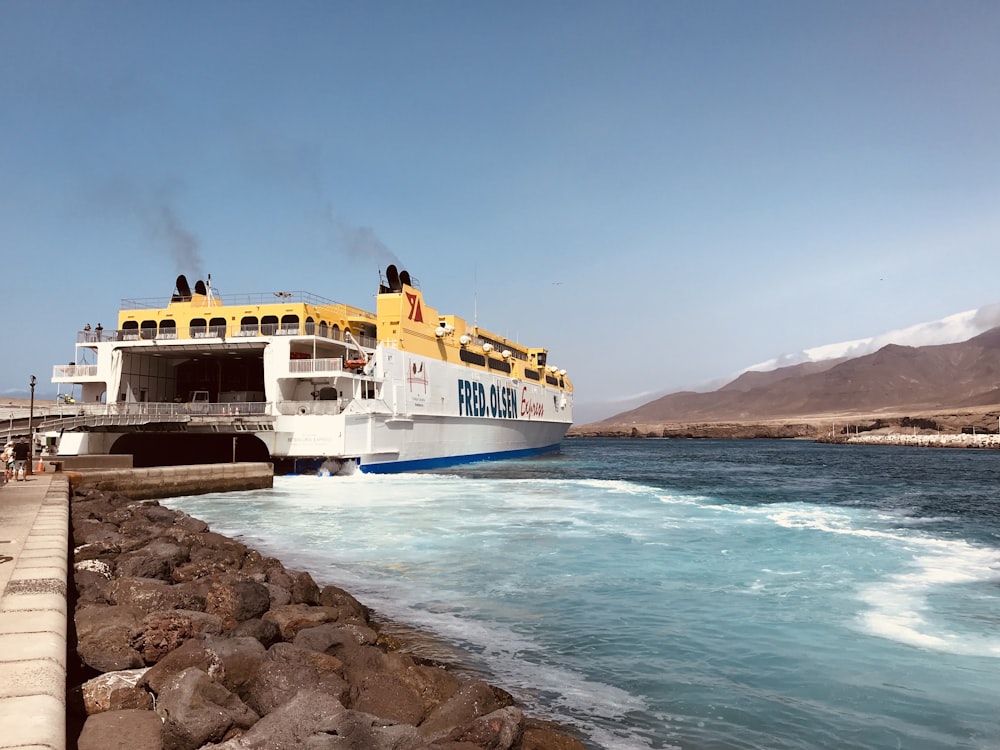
(976, 427)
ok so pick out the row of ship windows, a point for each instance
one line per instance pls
(216, 327)
(474, 358)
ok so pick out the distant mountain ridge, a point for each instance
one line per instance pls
(894, 377)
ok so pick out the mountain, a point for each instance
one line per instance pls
(893, 378)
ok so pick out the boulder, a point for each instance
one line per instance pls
(116, 691)
(264, 631)
(159, 633)
(91, 531)
(232, 662)
(291, 618)
(286, 670)
(235, 600)
(195, 710)
(299, 584)
(499, 730)
(539, 735)
(317, 721)
(351, 610)
(151, 594)
(472, 700)
(104, 635)
(388, 697)
(157, 559)
(128, 729)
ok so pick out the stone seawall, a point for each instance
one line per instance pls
(925, 441)
(171, 481)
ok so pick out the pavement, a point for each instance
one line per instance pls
(34, 551)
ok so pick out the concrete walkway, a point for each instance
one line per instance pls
(34, 535)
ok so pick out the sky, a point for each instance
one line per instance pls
(661, 193)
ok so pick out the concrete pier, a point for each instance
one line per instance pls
(34, 548)
(171, 481)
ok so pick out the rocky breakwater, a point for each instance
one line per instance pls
(187, 639)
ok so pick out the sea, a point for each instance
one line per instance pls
(690, 594)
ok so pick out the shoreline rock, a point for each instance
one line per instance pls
(183, 639)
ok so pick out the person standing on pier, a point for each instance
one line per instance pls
(21, 461)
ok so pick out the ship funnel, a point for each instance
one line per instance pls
(199, 287)
(183, 290)
(392, 276)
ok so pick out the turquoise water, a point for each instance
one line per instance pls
(683, 594)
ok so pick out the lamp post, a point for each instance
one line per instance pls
(31, 433)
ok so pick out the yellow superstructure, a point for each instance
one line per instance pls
(406, 322)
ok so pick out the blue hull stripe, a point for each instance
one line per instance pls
(438, 462)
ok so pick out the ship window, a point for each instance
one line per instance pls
(328, 394)
(551, 380)
(531, 374)
(498, 364)
(199, 328)
(310, 326)
(472, 357)
(130, 330)
(248, 326)
(335, 332)
(147, 329)
(269, 325)
(289, 324)
(323, 330)
(217, 327)
(168, 329)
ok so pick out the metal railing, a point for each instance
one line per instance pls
(331, 364)
(74, 371)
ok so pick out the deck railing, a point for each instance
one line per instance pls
(70, 416)
(60, 372)
(331, 364)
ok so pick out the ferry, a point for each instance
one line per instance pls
(312, 385)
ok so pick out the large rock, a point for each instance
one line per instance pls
(349, 608)
(91, 531)
(388, 697)
(236, 600)
(472, 700)
(159, 633)
(291, 618)
(300, 584)
(316, 721)
(232, 662)
(157, 559)
(264, 631)
(104, 636)
(500, 730)
(122, 730)
(287, 670)
(116, 691)
(196, 710)
(151, 594)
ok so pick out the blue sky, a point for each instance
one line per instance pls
(662, 193)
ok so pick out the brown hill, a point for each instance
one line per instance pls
(893, 379)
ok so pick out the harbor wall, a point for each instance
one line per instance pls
(171, 481)
(925, 441)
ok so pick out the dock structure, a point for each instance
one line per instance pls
(34, 550)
